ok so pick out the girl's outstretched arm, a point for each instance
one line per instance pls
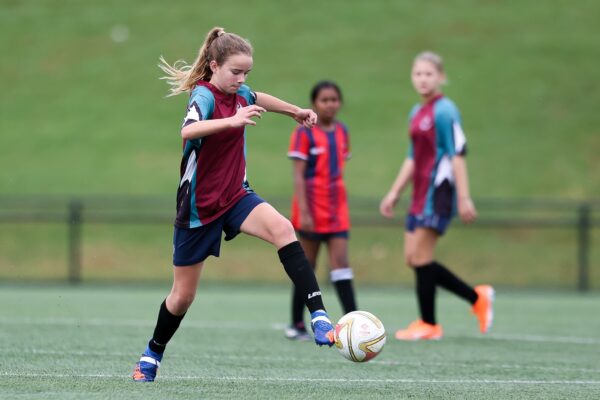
(207, 127)
(306, 117)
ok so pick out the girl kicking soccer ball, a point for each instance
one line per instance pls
(437, 169)
(214, 195)
(320, 208)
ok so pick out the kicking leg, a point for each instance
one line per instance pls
(297, 331)
(266, 223)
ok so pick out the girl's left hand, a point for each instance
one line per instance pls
(306, 117)
(466, 210)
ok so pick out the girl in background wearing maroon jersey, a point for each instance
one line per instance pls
(437, 169)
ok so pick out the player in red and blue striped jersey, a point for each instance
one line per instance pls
(437, 169)
(320, 205)
(213, 194)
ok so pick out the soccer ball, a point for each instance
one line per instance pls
(359, 336)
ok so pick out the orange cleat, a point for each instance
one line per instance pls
(419, 330)
(483, 307)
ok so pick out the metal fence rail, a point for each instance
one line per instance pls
(581, 216)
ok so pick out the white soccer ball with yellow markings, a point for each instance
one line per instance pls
(359, 336)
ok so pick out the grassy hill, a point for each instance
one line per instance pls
(83, 113)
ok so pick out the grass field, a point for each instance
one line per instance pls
(60, 342)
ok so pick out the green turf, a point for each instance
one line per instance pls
(70, 343)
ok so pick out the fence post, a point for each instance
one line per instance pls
(583, 246)
(74, 226)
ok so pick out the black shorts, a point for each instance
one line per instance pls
(323, 237)
(194, 245)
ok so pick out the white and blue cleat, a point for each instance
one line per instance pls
(322, 328)
(146, 369)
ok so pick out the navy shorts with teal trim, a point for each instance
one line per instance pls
(194, 245)
(323, 237)
(438, 223)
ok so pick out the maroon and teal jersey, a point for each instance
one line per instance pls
(436, 137)
(325, 154)
(213, 168)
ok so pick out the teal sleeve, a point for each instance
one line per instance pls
(247, 94)
(411, 153)
(201, 106)
(443, 129)
(450, 137)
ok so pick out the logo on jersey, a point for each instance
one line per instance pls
(426, 123)
(317, 150)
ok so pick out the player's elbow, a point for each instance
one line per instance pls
(185, 133)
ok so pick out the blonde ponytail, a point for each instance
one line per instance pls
(218, 46)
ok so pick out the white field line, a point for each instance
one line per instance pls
(314, 380)
(250, 358)
(540, 338)
(108, 322)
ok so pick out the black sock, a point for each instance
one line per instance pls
(342, 280)
(297, 308)
(425, 276)
(298, 268)
(446, 279)
(166, 325)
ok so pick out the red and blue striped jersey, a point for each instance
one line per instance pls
(213, 168)
(436, 137)
(325, 154)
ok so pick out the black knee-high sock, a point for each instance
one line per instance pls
(446, 279)
(298, 268)
(342, 280)
(166, 325)
(297, 308)
(425, 276)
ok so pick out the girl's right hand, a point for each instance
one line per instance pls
(306, 222)
(244, 114)
(386, 208)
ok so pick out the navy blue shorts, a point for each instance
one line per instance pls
(191, 246)
(322, 237)
(438, 223)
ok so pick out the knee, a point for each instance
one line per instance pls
(180, 301)
(410, 259)
(339, 262)
(282, 232)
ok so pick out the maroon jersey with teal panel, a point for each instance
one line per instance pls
(325, 154)
(436, 137)
(213, 168)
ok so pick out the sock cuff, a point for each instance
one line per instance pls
(341, 274)
(290, 250)
(169, 314)
(319, 315)
(153, 353)
(425, 266)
